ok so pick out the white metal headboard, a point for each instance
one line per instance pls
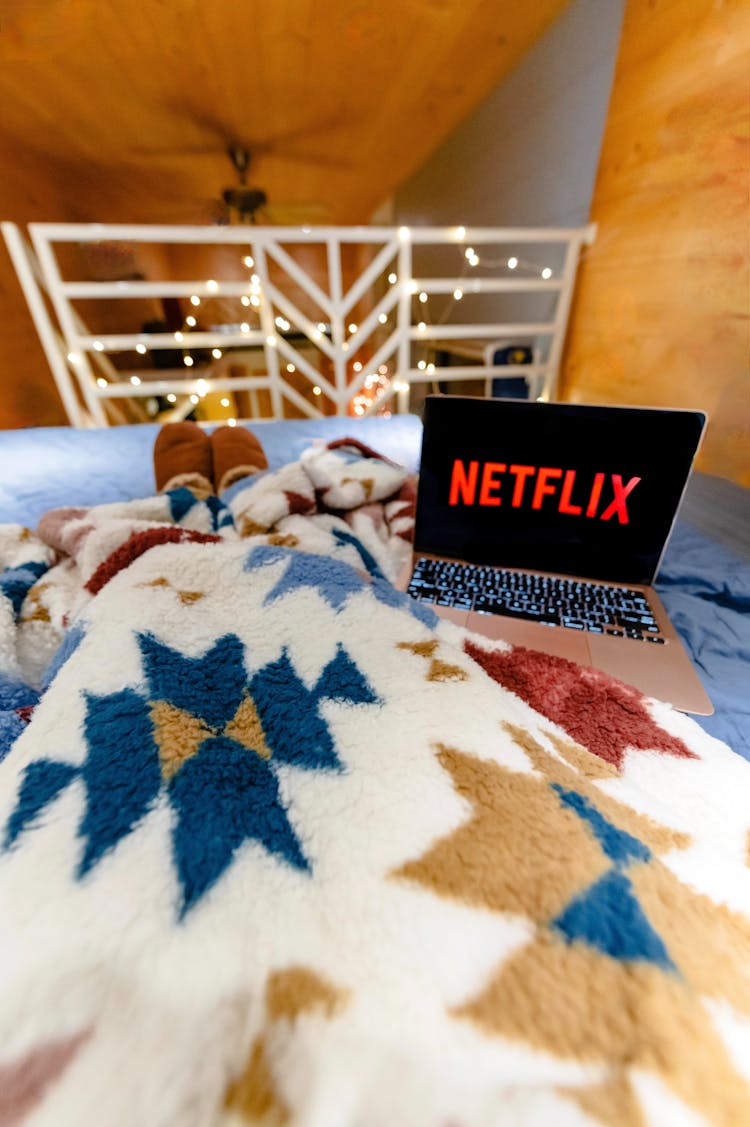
(394, 330)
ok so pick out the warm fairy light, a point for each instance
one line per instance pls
(135, 380)
(469, 253)
(546, 273)
(317, 391)
(430, 368)
(422, 365)
(190, 321)
(412, 286)
(248, 260)
(194, 399)
(512, 262)
(358, 409)
(74, 358)
(352, 327)
(98, 346)
(216, 353)
(423, 297)
(403, 233)
(321, 327)
(195, 300)
(271, 341)
(291, 368)
(178, 335)
(254, 280)
(255, 301)
(421, 326)
(474, 260)
(357, 366)
(188, 361)
(171, 398)
(202, 386)
(225, 402)
(383, 369)
(393, 278)
(283, 324)
(244, 327)
(383, 318)
(141, 349)
(245, 299)
(458, 294)
(345, 346)
(460, 233)
(102, 382)
(212, 285)
(231, 422)
(316, 335)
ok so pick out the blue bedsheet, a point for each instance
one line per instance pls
(704, 580)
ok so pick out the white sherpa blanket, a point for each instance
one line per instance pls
(278, 847)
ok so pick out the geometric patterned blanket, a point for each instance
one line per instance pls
(277, 846)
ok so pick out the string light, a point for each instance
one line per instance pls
(178, 335)
(352, 328)
(74, 358)
(291, 368)
(102, 382)
(317, 391)
(244, 327)
(421, 327)
(194, 399)
(187, 361)
(512, 262)
(98, 346)
(216, 353)
(231, 422)
(383, 318)
(245, 299)
(141, 349)
(383, 369)
(422, 365)
(403, 233)
(282, 324)
(202, 387)
(255, 301)
(469, 253)
(474, 260)
(423, 297)
(393, 278)
(271, 341)
(321, 327)
(357, 366)
(135, 380)
(254, 280)
(430, 368)
(316, 334)
(225, 401)
(190, 321)
(460, 233)
(171, 398)
(248, 260)
(546, 273)
(212, 285)
(195, 300)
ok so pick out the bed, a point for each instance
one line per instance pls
(704, 580)
(280, 848)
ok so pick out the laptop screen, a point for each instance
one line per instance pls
(558, 487)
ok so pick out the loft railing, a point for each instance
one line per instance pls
(379, 310)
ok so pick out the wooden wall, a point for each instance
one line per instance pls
(661, 315)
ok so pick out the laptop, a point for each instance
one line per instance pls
(543, 524)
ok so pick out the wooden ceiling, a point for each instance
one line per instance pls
(123, 110)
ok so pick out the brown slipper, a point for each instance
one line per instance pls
(182, 457)
(236, 453)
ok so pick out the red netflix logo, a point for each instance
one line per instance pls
(468, 487)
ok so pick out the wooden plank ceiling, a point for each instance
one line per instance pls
(129, 106)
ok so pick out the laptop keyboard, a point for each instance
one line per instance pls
(579, 605)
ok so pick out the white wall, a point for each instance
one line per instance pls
(528, 154)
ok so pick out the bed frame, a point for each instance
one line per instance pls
(370, 363)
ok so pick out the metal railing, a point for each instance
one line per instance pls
(411, 298)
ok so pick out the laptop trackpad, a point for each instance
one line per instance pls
(549, 639)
